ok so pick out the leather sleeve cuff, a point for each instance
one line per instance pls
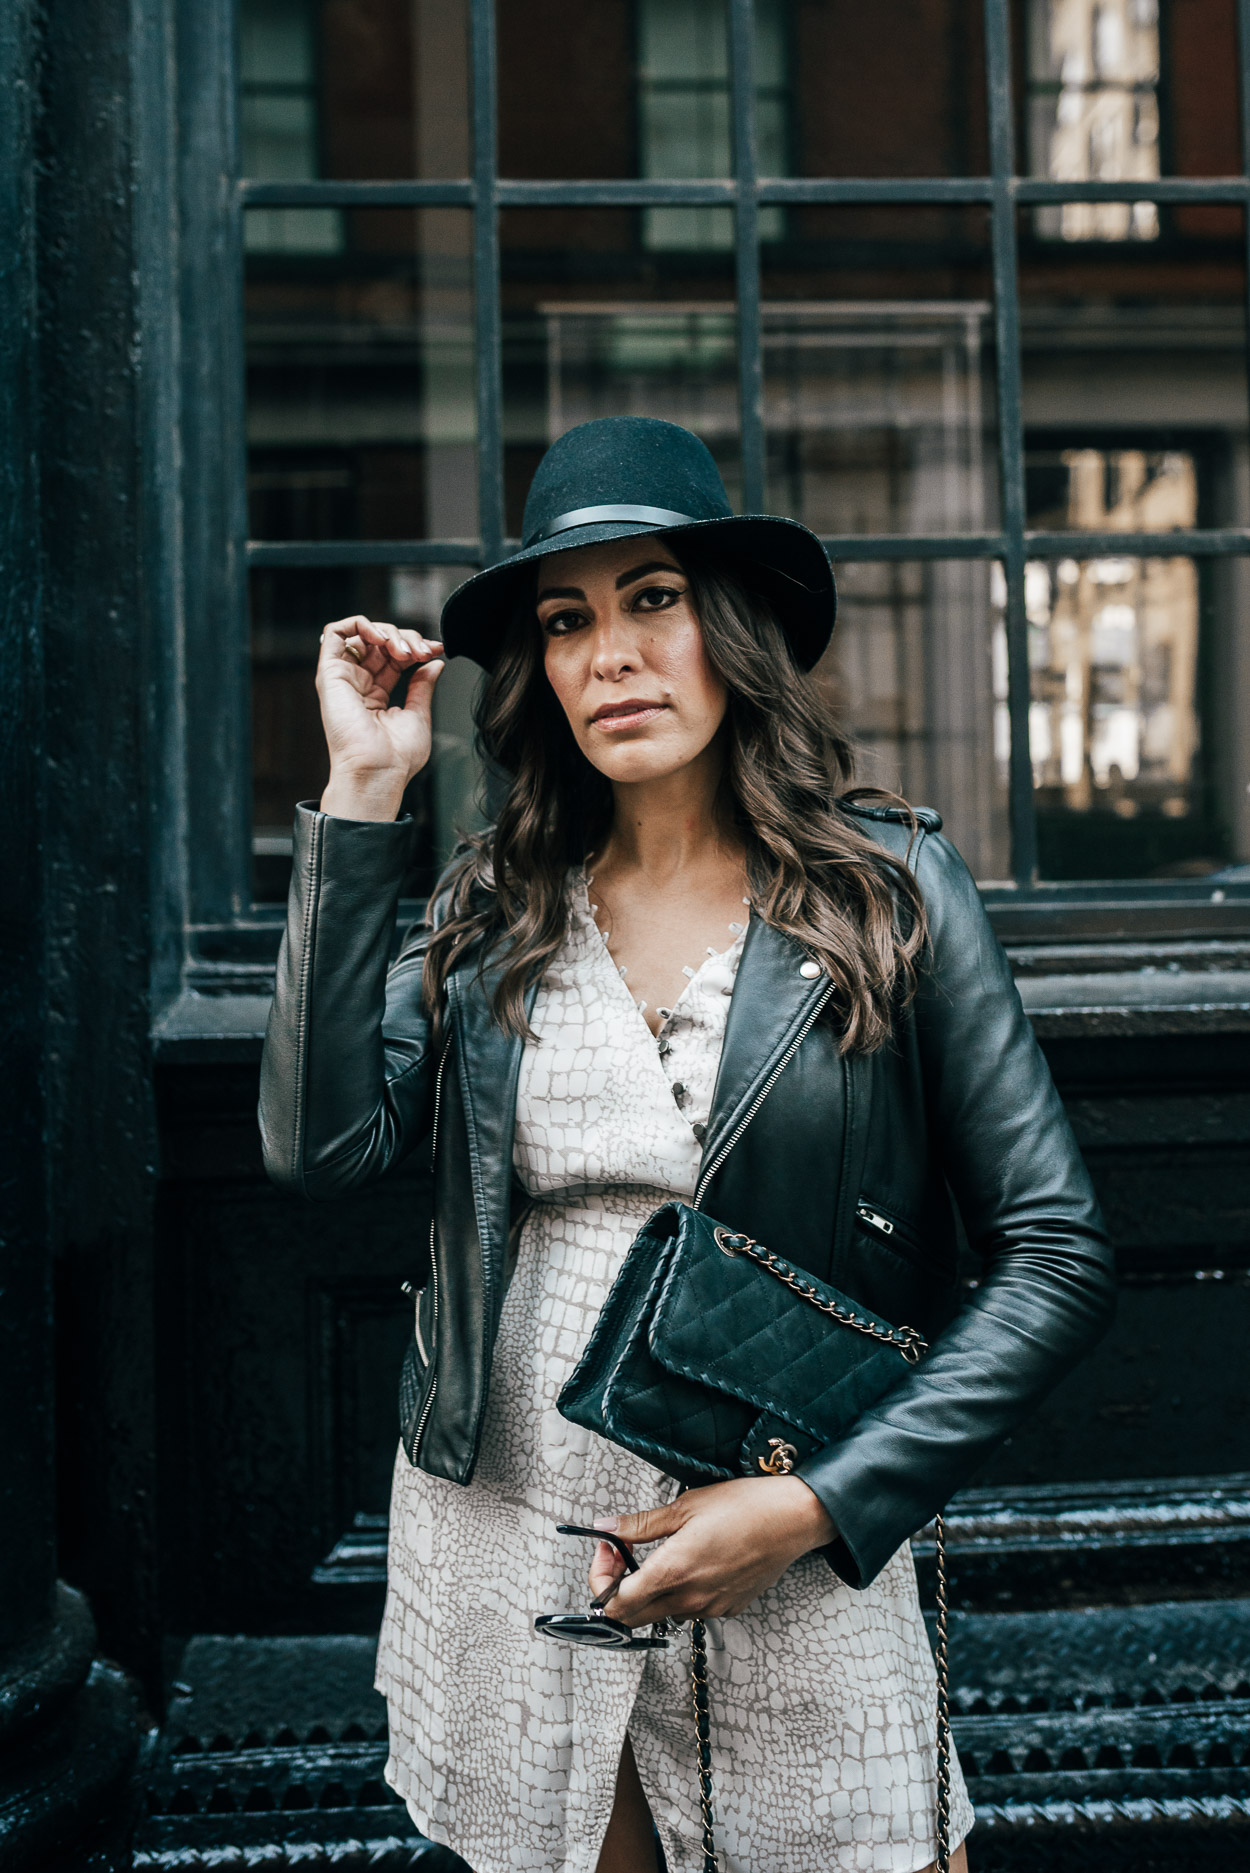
(376, 850)
(857, 1553)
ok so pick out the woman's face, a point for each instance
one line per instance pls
(623, 651)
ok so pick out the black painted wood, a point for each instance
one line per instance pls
(26, 1559)
(228, 1356)
(212, 511)
(291, 1323)
(68, 1729)
(100, 617)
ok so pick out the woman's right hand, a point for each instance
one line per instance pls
(374, 749)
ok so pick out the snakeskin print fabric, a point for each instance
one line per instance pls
(505, 1745)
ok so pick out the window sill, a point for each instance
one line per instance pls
(1181, 989)
(1147, 1002)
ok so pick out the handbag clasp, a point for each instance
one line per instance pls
(781, 1458)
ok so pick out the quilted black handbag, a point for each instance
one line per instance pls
(715, 1358)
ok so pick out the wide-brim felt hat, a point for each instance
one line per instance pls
(625, 475)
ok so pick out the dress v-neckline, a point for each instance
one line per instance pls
(584, 906)
(657, 1043)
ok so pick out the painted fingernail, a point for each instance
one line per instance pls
(609, 1522)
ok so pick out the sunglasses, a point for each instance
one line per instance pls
(598, 1627)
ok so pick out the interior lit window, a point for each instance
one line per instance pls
(683, 87)
(278, 123)
(1114, 670)
(1094, 111)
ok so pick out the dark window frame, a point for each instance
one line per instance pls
(225, 929)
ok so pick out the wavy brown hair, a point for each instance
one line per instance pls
(813, 872)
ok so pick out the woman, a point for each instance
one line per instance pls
(683, 963)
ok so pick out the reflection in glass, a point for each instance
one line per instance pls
(908, 676)
(361, 403)
(873, 412)
(279, 122)
(595, 325)
(875, 415)
(677, 361)
(1094, 111)
(1114, 718)
(349, 89)
(684, 111)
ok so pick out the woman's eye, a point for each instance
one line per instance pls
(560, 623)
(656, 598)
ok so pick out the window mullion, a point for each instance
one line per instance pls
(1010, 435)
(212, 444)
(487, 334)
(747, 252)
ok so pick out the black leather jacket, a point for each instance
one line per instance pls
(847, 1166)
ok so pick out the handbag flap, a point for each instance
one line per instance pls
(583, 1397)
(726, 1322)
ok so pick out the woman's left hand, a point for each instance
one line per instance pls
(723, 1546)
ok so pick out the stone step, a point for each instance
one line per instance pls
(1117, 1737)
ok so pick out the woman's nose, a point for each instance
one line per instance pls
(614, 650)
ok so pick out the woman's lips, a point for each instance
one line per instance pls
(631, 714)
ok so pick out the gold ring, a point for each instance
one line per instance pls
(353, 651)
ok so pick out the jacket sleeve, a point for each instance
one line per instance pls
(1047, 1290)
(344, 1080)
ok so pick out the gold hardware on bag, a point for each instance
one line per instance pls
(732, 1241)
(781, 1457)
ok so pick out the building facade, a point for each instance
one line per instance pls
(302, 289)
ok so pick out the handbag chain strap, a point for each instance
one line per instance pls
(703, 1739)
(911, 1345)
(904, 1339)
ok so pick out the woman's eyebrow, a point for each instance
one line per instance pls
(561, 591)
(652, 565)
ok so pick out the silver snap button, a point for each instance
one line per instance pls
(810, 970)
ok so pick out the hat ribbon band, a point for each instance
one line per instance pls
(591, 516)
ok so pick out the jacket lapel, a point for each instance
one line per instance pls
(770, 1003)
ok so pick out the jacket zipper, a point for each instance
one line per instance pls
(710, 1170)
(429, 1400)
(873, 1219)
(877, 1223)
(307, 963)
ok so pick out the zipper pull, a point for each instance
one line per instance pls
(874, 1219)
(406, 1287)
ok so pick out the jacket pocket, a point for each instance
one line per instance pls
(885, 1227)
(421, 1330)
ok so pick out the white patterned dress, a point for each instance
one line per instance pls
(505, 1745)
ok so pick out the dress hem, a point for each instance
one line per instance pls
(670, 1840)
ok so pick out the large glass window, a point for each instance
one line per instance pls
(1012, 406)
(684, 112)
(280, 122)
(1115, 704)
